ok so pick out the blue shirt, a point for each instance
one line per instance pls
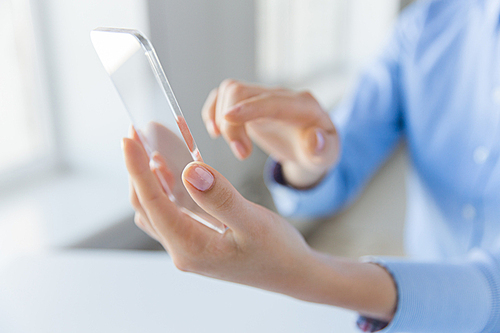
(437, 86)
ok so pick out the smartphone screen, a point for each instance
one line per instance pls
(133, 66)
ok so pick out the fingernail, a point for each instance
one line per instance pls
(157, 159)
(153, 164)
(122, 143)
(320, 141)
(200, 178)
(239, 149)
(235, 109)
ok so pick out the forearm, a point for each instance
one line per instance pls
(363, 287)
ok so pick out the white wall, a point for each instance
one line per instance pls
(369, 24)
(89, 116)
(60, 208)
(299, 40)
(200, 43)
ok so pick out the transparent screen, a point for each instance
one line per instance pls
(134, 68)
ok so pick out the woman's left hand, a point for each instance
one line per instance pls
(259, 249)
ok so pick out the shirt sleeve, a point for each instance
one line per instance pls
(446, 296)
(369, 123)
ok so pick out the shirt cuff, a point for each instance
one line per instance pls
(439, 297)
(366, 324)
(320, 201)
(277, 173)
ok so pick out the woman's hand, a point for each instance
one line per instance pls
(290, 126)
(259, 249)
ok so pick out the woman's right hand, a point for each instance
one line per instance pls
(290, 126)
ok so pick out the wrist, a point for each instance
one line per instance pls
(363, 287)
(302, 178)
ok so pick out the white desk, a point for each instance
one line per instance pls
(111, 291)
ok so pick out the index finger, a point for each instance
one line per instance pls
(280, 106)
(162, 212)
(208, 114)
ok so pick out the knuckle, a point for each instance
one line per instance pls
(236, 89)
(213, 92)
(227, 83)
(153, 199)
(134, 201)
(138, 221)
(225, 200)
(307, 95)
(233, 88)
(247, 106)
(309, 98)
(148, 200)
(233, 132)
(227, 128)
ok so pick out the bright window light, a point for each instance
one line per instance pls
(300, 40)
(22, 139)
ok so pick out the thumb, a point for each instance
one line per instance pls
(321, 147)
(215, 194)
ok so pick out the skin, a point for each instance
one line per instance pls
(284, 123)
(260, 248)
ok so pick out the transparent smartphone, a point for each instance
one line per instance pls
(134, 68)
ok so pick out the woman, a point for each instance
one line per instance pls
(437, 86)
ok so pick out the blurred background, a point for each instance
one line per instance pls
(63, 183)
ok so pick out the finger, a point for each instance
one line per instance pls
(132, 133)
(134, 200)
(143, 223)
(219, 104)
(300, 108)
(320, 147)
(215, 194)
(230, 93)
(208, 114)
(238, 139)
(162, 212)
(163, 173)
